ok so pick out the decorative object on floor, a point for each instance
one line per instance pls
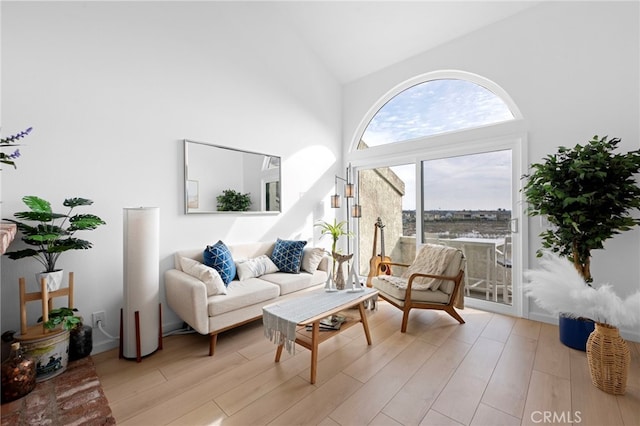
(80, 342)
(558, 287)
(80, 335)
(587, 194)
(50, 352)
(10, 142)
(609, 358)
(46, 342)
(140, 322)
(18, 374)
(341, 259)
(52, 233)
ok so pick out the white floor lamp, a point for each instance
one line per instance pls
(141, 316)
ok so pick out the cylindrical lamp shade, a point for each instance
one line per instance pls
(141, 281)
(349, 190)
(335, 201)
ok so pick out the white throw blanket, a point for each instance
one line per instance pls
(431, 259)
(281, 318)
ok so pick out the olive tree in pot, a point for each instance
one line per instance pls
(52, 234)
(587, 194)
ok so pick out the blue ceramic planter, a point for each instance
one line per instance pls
(574, 332)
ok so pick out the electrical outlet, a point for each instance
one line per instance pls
(101, 317)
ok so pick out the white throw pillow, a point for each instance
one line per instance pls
(209, 276)
(311, 258)
(252, 268)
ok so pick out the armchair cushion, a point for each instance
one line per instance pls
(433, 259)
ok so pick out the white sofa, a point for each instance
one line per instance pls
(187, 295)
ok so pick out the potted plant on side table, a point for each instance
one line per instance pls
(52, 234)
(587, 194)
(336, 230)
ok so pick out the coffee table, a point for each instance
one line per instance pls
(286, 322)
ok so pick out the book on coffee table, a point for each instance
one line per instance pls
(332, 322)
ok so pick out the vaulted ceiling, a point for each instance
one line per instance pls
(356, 38)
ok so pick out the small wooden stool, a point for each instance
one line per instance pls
(39, 331)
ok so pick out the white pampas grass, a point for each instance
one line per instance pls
(558, 288)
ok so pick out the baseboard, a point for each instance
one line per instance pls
(627, 334)
(107, 345)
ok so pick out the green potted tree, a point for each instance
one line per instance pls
(52, 234)
(587, 194)
(233, 201)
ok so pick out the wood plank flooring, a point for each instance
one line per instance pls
(493, 370)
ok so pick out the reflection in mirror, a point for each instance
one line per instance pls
(209, 170)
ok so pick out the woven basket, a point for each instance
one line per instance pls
(609, 357)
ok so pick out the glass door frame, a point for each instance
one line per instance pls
(510, 135)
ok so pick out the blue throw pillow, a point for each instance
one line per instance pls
(219, 258)
(287, 255)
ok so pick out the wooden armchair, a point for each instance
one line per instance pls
(432, 281)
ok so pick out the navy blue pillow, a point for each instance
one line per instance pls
(219, 258)
(287, 255)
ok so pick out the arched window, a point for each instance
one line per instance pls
(438, 160)
(434, 107)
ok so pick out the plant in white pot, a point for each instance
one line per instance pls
(587, 194)
(51, 234)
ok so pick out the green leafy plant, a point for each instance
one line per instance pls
(335, 229)
(11, 142)
(64, 317)
(233, 201)
(52, 233)
(587, 194)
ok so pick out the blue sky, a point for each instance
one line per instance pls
(481, 181)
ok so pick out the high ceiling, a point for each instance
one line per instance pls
(356, 38)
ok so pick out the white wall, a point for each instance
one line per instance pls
(572, 68)
(111, 90)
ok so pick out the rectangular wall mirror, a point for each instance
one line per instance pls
(212, 171)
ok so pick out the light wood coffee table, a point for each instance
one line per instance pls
(312, 339)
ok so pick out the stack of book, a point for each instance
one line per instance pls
(330, 323)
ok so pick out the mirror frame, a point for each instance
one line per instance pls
(190, 184)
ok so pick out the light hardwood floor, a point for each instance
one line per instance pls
(493, 370)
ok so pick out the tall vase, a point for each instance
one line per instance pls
(609, 358)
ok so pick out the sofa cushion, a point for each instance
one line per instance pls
(209, 276)
(241, 294)
(219, 258)
(253, 268)
(287, 255)
(311, 257)
(290, 283)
